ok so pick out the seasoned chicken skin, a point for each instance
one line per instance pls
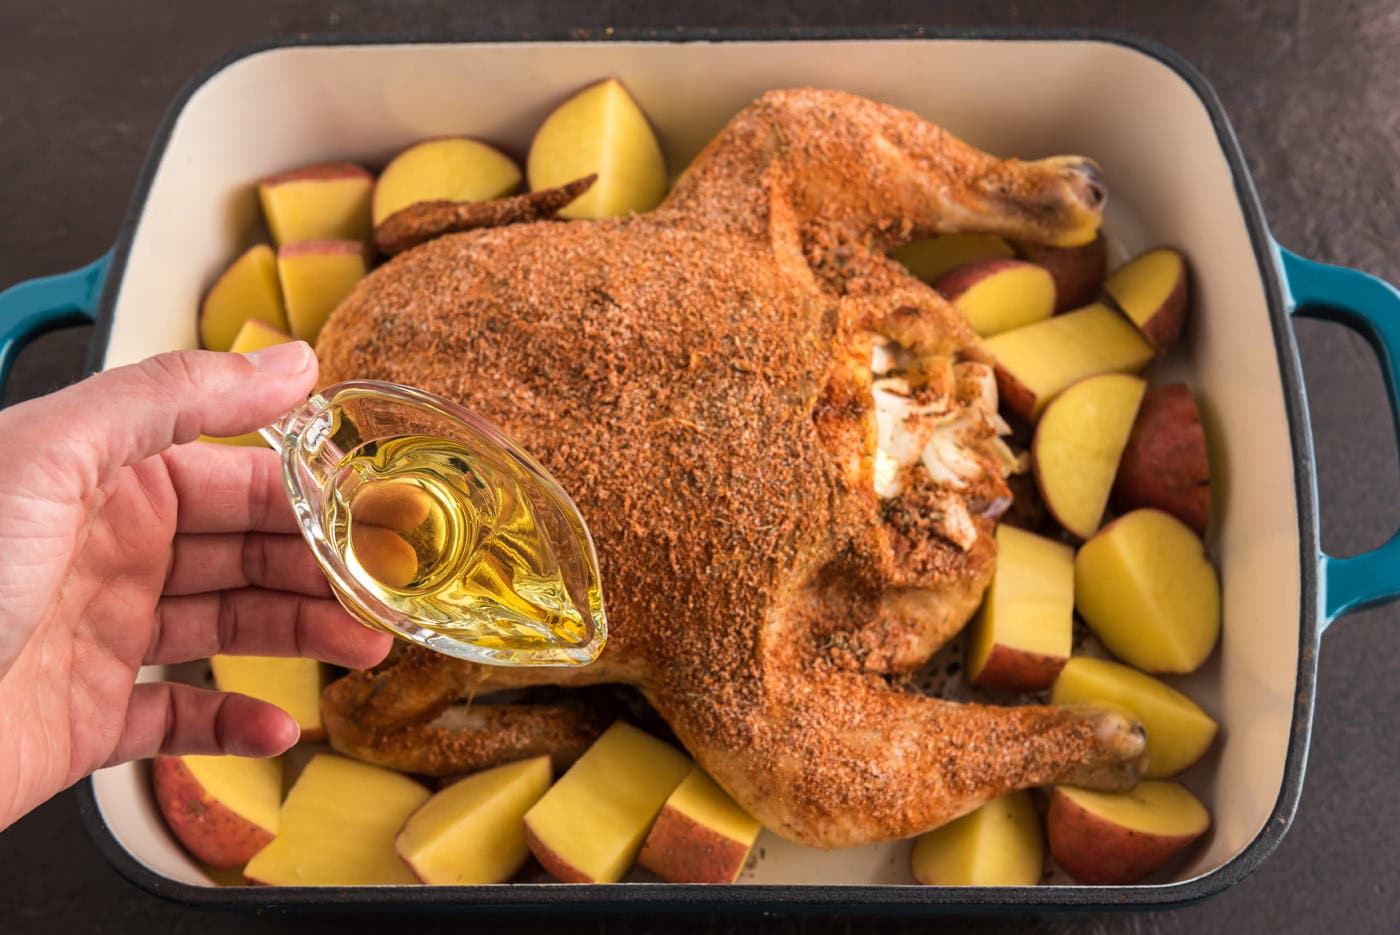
(700, 379)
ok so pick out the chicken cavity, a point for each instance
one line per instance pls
(943, 415)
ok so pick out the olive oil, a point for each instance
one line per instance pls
(453, 541)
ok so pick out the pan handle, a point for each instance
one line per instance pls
(30, 308)
(1370, 307)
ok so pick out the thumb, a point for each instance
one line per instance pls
(127, 414)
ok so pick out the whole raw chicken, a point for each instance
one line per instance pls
(787, 451)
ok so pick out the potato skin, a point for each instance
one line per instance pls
(1078, 271)
(1164, 327)
(207, 828)
(1160, 325)
(1096, 851)
(1015, 395)
(556, 866)
(1165, 464)
(961, 278)
(681, 850)
(1013, 670)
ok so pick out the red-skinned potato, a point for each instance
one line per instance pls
(999, 294)
(471, 832)
(701, 835)
(315, 276)
(998, 844)
(1117, 838)
(1146, 587)
(443, 169)
(600, 130)
(338, 825)
(1165, 463)
(590, 825)
(248, 291)
(223, 809)
(1151, 289)
(1078, 444)
(1022, 634)
(1035, 362)
(293, 683)
(329, 201)
(1077, 271)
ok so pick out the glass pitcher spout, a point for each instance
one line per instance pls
(310, 425)
(291, 422)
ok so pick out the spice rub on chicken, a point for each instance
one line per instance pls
(786, 449)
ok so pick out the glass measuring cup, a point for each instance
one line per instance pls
(464, 543)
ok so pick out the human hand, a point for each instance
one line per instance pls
(118, 550)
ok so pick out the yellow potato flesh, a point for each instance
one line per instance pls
(1029, 606)
(931, 258)
(247, 290)
(1052, 354)
(1156, 808)
(700, 798)
(1178, 731)
(701, 835)
(293, 684)
(1142, 286)
(1008, 298)
(600, 130)
(456, 169)
(250, 788)
(335, 208)
(313, 283)
(471, 832)
(255, 335)
(1147, 590)
(1078, 443)
(338, 826)
(999, 844)
(593, 820)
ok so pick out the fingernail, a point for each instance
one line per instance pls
(287, 359)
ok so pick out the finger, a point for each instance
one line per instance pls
(225, 561)
(167, 718)
(226, 488)
(127, 414)
(254, 622)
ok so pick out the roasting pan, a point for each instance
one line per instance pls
(1176, 175)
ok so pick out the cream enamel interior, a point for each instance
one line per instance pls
(1169, 180)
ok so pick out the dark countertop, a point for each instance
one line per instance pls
(1313, 90)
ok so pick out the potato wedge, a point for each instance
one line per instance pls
(1121, 837)
(1166, 464)
(1078, 443)
(1144, 585)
